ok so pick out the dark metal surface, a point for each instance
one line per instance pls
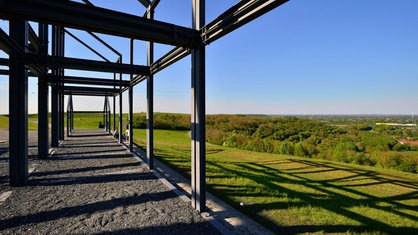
(18, 108)
(35, 43)
(89, 81)
(86, 45)
(84, 64)
(43, 102)
(150, 101)
(243, 12)
(198, 153)
(96, 19)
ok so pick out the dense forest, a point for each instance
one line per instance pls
(348, 139)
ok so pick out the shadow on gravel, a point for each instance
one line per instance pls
(84, 152)
(95, 179)
(92, 145)
(174, 229)
(100, 206)
(89, 135)
(61, 157)
(84, 169)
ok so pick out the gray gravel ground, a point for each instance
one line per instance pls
(91, 185)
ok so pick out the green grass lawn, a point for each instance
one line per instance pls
(32, 122)
(293, 195)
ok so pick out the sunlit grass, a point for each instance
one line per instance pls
(4, 122)
(32, 122)
(294, 195)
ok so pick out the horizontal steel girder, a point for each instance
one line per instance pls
(88, 81)
(85, 17)
(4, 62)
(83, 64)
(238, 15)
(166, 60)
(89, 91)
(8, 45)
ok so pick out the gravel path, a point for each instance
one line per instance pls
(91, 185)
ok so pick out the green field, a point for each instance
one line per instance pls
(298, 195)
(32, 122)
(81, 121)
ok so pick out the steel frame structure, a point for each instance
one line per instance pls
(28, 55)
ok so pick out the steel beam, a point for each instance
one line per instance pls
(120, 115)
(168, 59)
(82, 16)
(114, 107)
(34, 41)
(62, 116)
(89, 81)
(54, 117)
(238, 15)
(68, 114)
(4, 62)
(61, 73)
(43, 91)
(88, 93)
(120, 105)
(86, 45)
(198, 156)
(4, 72)
(8, 45)
(153, 5)
(18, 107)
(54, 91)
(145, 3)
(83, 64)
(89, 89)
(131, 99)
(150, 101)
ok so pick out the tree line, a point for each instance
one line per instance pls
(358, 143)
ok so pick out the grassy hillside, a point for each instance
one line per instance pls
(298, 195)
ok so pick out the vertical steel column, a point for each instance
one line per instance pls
(61, 113)
(54, 92)
(18, 107)
(114, 104)
(131, 99)
(104, 113)
(59, 86)
(108, 115)
(120, 107)
(198, 113)
(43, 90)
(70, 97)
(71, 116)
(68, 120)
(61, 38)
(150, 100)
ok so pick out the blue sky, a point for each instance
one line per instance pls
(305, 57)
